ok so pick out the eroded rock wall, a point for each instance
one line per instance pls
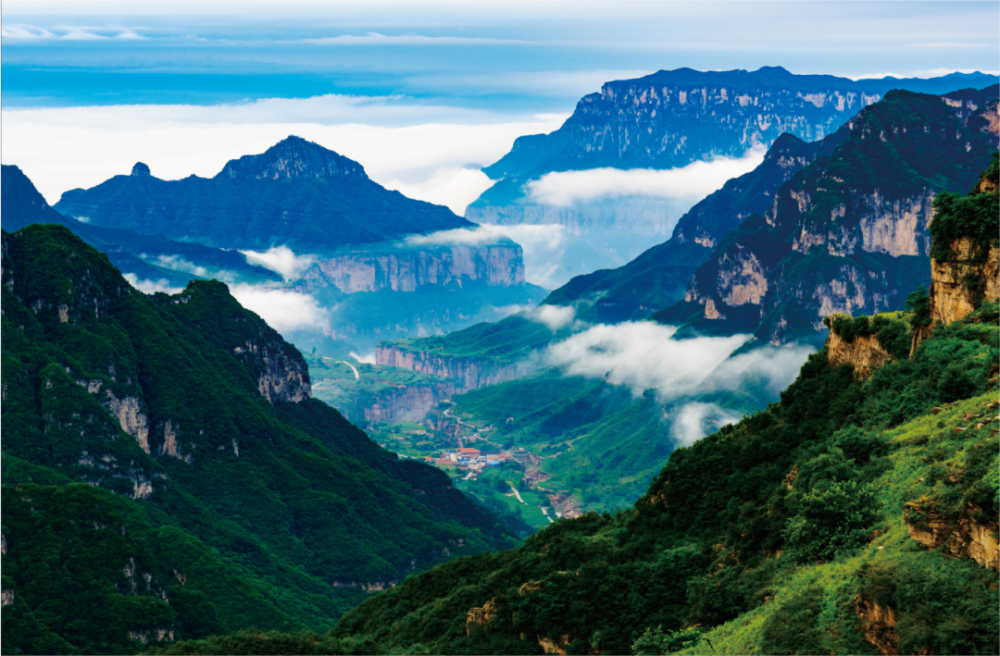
(467, 373)
(406, 270)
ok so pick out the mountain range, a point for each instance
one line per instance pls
(668, 120)
(377, 264)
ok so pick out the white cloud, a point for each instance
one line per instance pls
(642, 355)
(366, 358)
(694, 181)
(453, 187)
(696, 420)
(282, 309)
(553, 316)
(282, 260)
(772, 367)
(151, 286)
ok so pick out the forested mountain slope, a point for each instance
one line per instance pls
(167, 474)
(857, 515)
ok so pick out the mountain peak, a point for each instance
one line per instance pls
(292, 158)
(140, 170)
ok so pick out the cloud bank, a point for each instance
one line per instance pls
(694, 181)
(642, 355)
(281, 259)
(553, 316)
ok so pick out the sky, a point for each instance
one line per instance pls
(422, 94)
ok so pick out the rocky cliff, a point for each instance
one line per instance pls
(406, 403)
(965, 269)
(657, 277)
(850, 233)
(467, 372)
(863, 352)
(405, 269)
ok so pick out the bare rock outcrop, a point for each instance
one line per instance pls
(878, 624)
(864, 353)
(952, 297)
(468, 373)
(965, 535)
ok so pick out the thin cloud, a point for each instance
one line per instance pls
(21, 32)
(176, 263)
(377, 39)
(697, 180)
(282, 309)
(281, 259)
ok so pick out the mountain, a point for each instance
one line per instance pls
(667, 120)
(167, 473)
(672, 118)
(857, 515)
(657, 277)
(296, 194)
(147, 257)
(167, 233)
(848, 233)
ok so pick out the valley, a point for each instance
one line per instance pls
(312, 346)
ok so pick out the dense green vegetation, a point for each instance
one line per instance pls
(297, 194)
(976, 215)
(225, 510)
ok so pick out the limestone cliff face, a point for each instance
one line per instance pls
(405, 403)
(878, 624)
(965, 536)
(951, 295)
(468, 373)
(405, 270)
(864, 354)
(969, 274)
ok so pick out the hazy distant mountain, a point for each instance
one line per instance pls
(296, 194)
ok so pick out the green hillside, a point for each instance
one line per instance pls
(167, 475)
